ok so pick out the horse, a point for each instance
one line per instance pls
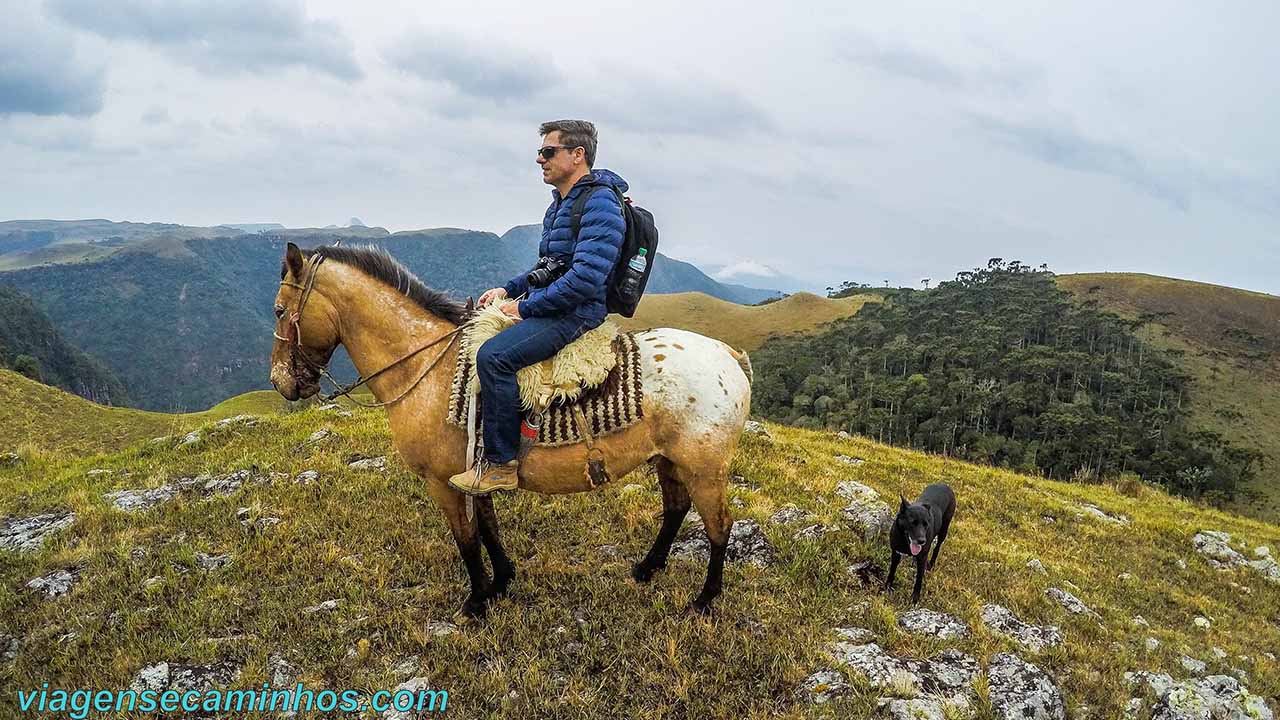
(400, 335)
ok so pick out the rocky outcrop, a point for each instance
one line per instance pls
(1022, 691)
(1071, 603)
(866, 513)
(747, 544)
(1035, 638)
(181, 678)
(28, 534)
(946, 676)
(1215, 696)
(56, 583)
(922, 621)
(1215, 546)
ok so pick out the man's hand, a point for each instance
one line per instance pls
(512, 308)
(492, 295)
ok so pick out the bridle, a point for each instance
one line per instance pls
(293, 339)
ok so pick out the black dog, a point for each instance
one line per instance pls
(915, 528)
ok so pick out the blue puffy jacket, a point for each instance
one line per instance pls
(582, 289)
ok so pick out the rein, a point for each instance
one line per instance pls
(293, 338)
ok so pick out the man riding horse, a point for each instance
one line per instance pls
(564, 296)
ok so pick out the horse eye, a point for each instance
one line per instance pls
(279, 311)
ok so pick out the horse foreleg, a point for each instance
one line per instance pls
(504, 571)
(708, 494)
(467, 535)
(675, 506)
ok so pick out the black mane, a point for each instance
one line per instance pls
(377, 263)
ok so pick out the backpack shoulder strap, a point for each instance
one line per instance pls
(579, 205)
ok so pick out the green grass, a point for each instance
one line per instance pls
(578, 638)
(1237, 383)
(47, 418)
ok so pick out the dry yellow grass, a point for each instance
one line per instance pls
(742, 326)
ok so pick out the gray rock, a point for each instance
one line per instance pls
(142, 499)
(180, 678)
(1220, 697)
(56, 583)
(1099, 514)
(822, 687)
(378, 464)
(9, 459)
(152, 582)
(212, 562)
(320, 436)
(846, 460)
(812, 532)
(789, 514)
(241, 420)
(1216, 548)
(922, 621)
(1151, 644)
(1219, 653)
(306, 477)
(434, 703)
(1140, 621)
(946, 676)
(912, 709)
(190, 438)
(751, 427)
(441, 628)
(229, 483)
(258, 525)
(1033, 637)
(1268, 567)
(747, 543)
(854, 490)
(326, 606)
(844, 435)
(1071, 603)
(28, 534)
(284, 678)
(1035, 565)
(871, 520)
(407, 666)
(9, 647)
(96, 473)
(1022, 691)
(1201, 622)
(1158, 682)
(855, 635)
(1192, 665)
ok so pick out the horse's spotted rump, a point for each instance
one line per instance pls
(659, 345)
(677, 346)
(659, 357)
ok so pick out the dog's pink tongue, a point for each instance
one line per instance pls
(915, 549)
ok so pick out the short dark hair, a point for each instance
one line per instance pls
(574, 133)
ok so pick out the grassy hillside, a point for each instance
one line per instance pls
(39, 416)
(742, 326)
(578, 638)
(1230, 340)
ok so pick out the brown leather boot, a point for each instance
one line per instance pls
(486, 476)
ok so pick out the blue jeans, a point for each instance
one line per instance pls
(529, 341)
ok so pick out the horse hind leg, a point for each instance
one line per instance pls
(504, 571)
(707, 488)
(675, 506)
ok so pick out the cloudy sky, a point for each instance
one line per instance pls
(833, 142)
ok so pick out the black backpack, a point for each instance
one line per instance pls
(640, 233)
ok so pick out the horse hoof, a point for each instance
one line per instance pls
(642, 573)
(696, 608)
(471, 611)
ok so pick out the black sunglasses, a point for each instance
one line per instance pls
(549, 151)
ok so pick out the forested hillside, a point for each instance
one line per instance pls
(1002, 366)
(30, 345)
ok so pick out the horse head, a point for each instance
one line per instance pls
(306, 332)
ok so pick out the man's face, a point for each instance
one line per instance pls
(563, 164)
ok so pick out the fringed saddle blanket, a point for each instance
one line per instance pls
(599, 372)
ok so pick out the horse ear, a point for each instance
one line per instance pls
(293, 259)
